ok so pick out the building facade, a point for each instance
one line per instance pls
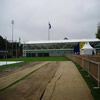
(53, 48)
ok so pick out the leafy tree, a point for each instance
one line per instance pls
(2, 43)
(98, 34)
(65, 38)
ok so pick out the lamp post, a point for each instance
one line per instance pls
(6, 48)
(12, 22)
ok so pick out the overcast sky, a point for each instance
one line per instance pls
(73, 19)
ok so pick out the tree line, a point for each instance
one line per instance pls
(5, 45)
(98, 34)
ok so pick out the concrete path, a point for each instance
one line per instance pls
(67, 84)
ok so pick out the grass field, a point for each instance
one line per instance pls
(31, 59)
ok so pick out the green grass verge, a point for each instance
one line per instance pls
(31, 59)
(22, 78)
(90, 82)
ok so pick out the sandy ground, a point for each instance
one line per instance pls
(67, 84)
(16, 75)
(7, 71)
(54, 81)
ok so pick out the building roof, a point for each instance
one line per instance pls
(63, 41)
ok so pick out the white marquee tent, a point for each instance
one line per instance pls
(87, 49)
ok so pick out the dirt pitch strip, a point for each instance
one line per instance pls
(53, 81)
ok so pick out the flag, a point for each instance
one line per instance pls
(49, 25)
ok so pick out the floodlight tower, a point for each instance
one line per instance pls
(6, 49)
(12, 22)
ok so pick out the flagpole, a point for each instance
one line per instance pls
(49, 30)
(48, 34)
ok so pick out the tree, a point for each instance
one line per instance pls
(65, 38)
(2, 43)
(98, 33)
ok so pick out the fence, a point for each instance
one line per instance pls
(91, 66)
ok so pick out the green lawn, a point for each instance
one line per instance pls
(31, 59)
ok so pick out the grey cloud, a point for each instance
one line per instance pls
(69, 18)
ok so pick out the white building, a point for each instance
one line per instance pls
(53, 48)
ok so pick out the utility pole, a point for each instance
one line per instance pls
(12, 22)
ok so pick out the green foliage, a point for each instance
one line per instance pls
(4, 55)
(3, 42)
(65, 38)
(1, 55)
(98, 34)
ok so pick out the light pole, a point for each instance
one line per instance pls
(12, 22)
(6, 48)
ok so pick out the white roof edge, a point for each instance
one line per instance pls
(63, 41)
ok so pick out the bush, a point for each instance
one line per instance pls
(1, 56)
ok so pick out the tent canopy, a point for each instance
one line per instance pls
(87, 49)
(87, 46)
